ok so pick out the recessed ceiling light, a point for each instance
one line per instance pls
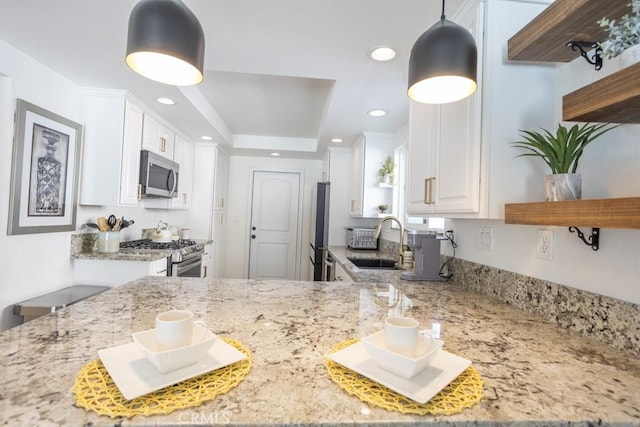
(377, 113)
(383, 53)
(166, 101)
(275, 154)
(206, 137)
(337, 140)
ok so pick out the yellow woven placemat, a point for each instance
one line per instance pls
(95, 390)
(463, 392)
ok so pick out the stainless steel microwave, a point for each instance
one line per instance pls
(158, 176)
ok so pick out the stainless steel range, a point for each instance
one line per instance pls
(185, 259)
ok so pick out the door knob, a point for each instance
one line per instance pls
(253, 236)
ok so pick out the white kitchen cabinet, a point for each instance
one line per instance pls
(130, 166)
(218, 236)
(221, 182)
(111, 149)
(341, 274)
(367, 156)
(461, 162)
(208, 215)
(157, 138)
(207, 261)
(357, 177)
(115, 272)
(337, 166)
(184, 152)
(445, 143)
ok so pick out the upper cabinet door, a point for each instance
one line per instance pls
(130, 166)
(462, 163)
(184, 152)
(457, 155)
(357, 177)
(423, 140)
(111, 152)
(157, 138)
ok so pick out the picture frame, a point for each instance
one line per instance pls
(44, 171)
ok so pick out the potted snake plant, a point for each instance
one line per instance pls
(561, 152)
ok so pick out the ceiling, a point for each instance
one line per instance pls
(280, 75)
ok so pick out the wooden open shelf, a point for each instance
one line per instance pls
(603, 213)
(613, 99)
(544, 39)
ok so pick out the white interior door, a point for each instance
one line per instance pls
(274, 251)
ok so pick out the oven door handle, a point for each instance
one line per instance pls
(187, 265)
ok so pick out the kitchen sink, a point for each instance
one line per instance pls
(377, 263)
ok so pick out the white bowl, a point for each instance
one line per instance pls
(396, 363)
(170, 360)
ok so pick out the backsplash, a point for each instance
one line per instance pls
(610, 320)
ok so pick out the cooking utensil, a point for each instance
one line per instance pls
(92, 225)
(117, 226)
(102, 224)
(125, 223)
(111, 222)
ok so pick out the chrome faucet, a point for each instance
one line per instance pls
(401, 247)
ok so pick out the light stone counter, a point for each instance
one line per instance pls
(614, 322)
(535, 373)
(85, 246)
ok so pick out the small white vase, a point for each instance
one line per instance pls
(629, 56)
(563, 186)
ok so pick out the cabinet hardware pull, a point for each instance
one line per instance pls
(139, 195)
(204, 272)
(425, 199)
(428, 191)
(431, 201)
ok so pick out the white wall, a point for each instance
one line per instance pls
(35, 264)
(610, 167)
(238, 210)
(31, 264)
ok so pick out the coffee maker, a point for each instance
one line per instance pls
(426, 253)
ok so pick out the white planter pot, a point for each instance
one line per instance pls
(629, 56)
(563, 186)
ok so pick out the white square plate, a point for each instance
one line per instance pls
(135, 375)
(422, 387)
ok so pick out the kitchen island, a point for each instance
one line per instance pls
(534, 372)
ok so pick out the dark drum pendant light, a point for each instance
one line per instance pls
(443, 64)
(165, 42)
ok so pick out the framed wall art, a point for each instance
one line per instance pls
(44, 171)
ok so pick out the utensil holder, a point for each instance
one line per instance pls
(108, 241)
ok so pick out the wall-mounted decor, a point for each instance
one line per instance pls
(44, 171)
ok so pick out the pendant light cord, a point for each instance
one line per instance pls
(442, 17)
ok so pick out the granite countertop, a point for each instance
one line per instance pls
(534, 372)
(84, 246)
(341, 253)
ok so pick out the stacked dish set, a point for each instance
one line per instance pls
(177, 349)
(403, 360)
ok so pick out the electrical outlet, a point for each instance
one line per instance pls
(485, 238)
(544, 244)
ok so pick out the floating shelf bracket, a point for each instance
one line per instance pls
(596, 60)
(593, 240)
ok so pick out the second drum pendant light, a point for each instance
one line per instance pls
(443, 64)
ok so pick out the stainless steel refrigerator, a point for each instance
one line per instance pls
(319, 230)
